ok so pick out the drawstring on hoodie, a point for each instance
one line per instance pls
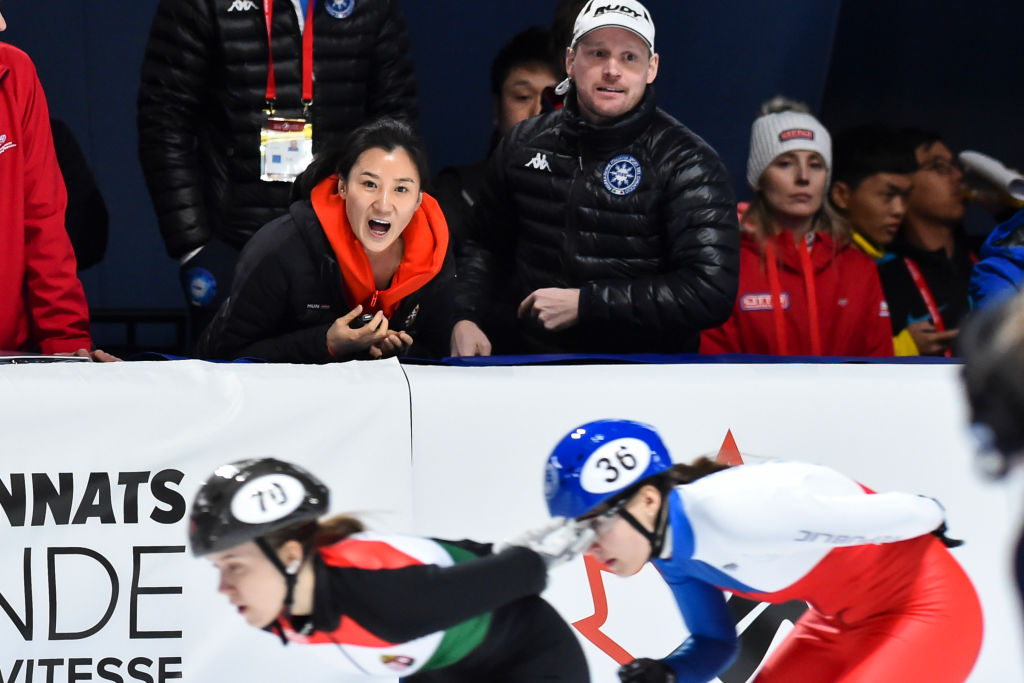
(781, 335)
(773, 279)
(812, 294)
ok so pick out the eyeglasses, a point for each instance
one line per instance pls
(603, 521)
(942, 166)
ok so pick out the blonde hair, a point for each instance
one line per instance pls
(758, 218)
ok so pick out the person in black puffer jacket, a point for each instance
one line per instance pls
(613, 224)
(201, 107)
(358, 268)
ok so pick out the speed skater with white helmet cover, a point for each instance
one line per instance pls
(427, 610)
(887, 601)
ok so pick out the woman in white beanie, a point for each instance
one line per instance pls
(803, 289)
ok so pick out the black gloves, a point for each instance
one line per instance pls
(940, 531)
(946, 540)
(646, 671)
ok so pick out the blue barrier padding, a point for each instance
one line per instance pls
(620, 359)
(672, 358)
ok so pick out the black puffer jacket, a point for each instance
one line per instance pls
(288, 290)
(655, 263)
(201, 101)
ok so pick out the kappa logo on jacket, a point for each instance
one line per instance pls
(539, 162)
(5, 145)
(242, 6)
(762, 301)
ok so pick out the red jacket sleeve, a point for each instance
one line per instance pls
(722, 339)
(55, 301)
(878, 331)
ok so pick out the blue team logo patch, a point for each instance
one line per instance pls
(200, 286)
(339, 9)
(622, 174)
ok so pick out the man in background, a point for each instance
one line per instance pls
(872, 178)
(926, 274)
(605, 226)
(520, 73)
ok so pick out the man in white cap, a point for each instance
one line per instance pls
(606, 226)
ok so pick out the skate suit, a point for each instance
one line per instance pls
(392, 605)
(887, 600)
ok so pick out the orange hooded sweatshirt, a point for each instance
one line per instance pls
(425, 238)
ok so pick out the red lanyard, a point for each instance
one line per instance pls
(307, 57)
(810, 290)
(929, 300)
(812, 296)
(773, 280)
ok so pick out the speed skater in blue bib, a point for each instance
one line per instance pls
(887, 601)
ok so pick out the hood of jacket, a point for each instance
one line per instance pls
(823, 249)
(425, 244)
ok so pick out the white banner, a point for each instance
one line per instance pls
(480, 451)
(99, 462)
(110, 454)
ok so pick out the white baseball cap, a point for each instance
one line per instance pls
(627, 14)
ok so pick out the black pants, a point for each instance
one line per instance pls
(528, 641)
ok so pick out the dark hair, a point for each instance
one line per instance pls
(529, 46)
(992, 348)
(678, 474)
(384, 133)
(561, 29)
(316, 534)
(681, 473)
(863, 151)
(915, 138)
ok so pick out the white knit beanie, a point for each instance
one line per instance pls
(786, 131)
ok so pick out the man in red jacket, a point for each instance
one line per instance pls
(42, 304)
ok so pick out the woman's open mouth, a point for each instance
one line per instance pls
(379, 228)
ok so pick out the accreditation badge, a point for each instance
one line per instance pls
(286, 148)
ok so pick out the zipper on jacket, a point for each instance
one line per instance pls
(572, 229)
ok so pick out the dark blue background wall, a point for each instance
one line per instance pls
(720, 59)
(952, 67)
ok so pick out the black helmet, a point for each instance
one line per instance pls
(245, 500)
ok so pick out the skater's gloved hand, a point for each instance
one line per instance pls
(646, 671)
(558, 541)
(946, 540)
(940, 531)
(530, 536)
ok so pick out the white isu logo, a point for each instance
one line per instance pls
(539, 162)
(242, 6)
(4, 145)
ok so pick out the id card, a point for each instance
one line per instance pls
(286, 148)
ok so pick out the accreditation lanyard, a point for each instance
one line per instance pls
(307, 57)
(926, 294)
(810, 290)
